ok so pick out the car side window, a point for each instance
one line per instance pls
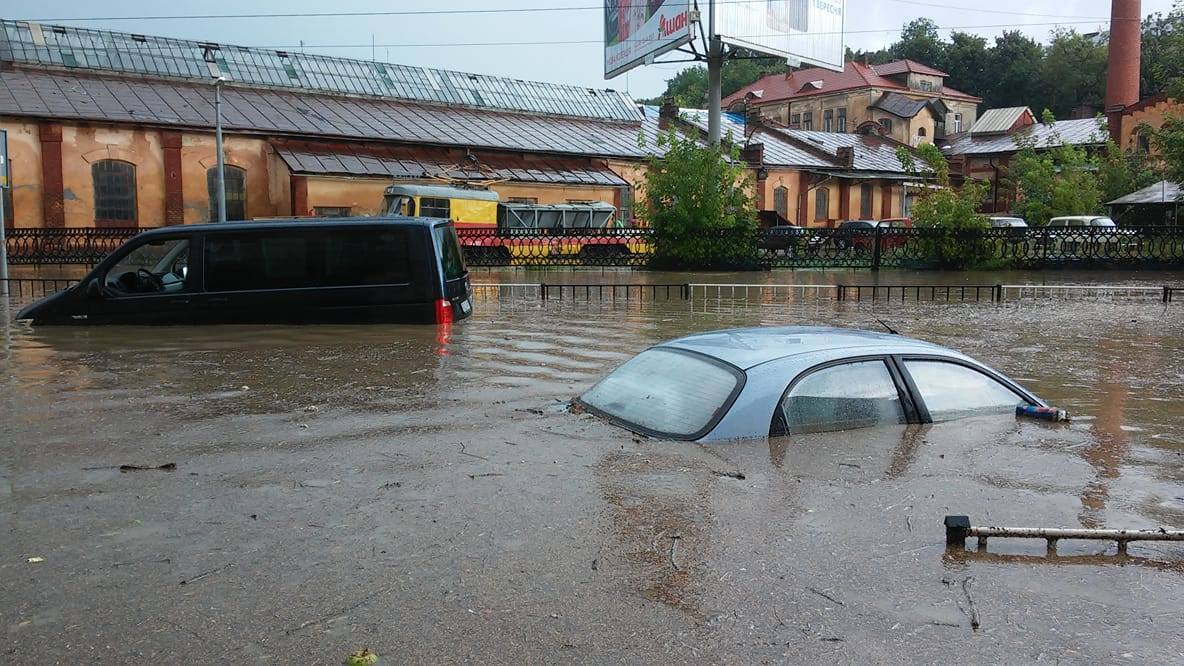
(842, 397)
(153, 267)
(951, 391)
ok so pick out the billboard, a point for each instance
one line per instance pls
(807, 30)
(638, 30)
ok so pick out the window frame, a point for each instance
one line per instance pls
(912, 402)
(808, 120)
(841, 119)
(795, 120)
(212, 179)
(957, 123)
(193, 279)
(109, 222)
(828, 119)
(777, 426)
(886, 123)
(923, 409)
(867, 197)
(725, 407)
(423, 205)
(819, 191)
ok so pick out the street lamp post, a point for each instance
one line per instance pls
(221, 181)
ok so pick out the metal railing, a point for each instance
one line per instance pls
(65, 245)
(26, 290)
(778, 248)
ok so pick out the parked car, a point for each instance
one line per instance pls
(845, 236)
(1097, 235)
(999, 222)
(784, 238)
(394, 270)
(758, 382)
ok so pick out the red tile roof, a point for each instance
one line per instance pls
(855, 75)
(906, 65)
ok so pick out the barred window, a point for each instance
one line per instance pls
(115, 192)
(236, 192)
(866, 192)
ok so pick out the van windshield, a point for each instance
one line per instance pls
(451, 258)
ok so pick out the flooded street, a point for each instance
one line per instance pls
(428, 495)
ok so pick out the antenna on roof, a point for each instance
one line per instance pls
(891, 330)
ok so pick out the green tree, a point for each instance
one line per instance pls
(1120, 173)
(1163, 53)
(1014, 62)
(920, 41)
(1053, 179)
(1073, 73)
(696, 200)
(966, 63)
(1168, 142)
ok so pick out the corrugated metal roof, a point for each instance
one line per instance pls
(1074, 132)
(406, 163)
(872, 153)
(994, 121)
(69, 95)
(906, 65)
(1160, 193)
(778, 151)
(855, 75)
(126, 53)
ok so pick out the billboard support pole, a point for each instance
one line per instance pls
(715, 66)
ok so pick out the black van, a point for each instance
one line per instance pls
(351, 270)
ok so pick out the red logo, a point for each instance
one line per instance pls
(667, 28)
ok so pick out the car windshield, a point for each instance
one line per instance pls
(665, 391)
(1102, 222)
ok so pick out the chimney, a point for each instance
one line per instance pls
(753, 154)
(752, 115)
(668, 110)
(846, 156)
(1122, 70)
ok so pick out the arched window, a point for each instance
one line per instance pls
(115, 193)
(821, 204)
(781, 201)
(920, 131)
(236, 192)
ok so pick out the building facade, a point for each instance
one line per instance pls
(903, 100)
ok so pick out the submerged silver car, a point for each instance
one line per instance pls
(758, 382)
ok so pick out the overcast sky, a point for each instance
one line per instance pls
(401, 39)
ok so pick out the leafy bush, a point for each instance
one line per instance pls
(950, 210)
(696, 200)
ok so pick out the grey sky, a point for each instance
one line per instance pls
(870, 24)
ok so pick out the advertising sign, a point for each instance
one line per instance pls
(638, 30)
(807, 30)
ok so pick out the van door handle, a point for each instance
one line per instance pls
(179, 301)
(219, 300)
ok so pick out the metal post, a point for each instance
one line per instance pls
(4, 186)
(221, 181)
(715, 66)
(879, 239)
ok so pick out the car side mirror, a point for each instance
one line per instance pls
(93, 290)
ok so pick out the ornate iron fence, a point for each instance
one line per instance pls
(775, 248)
(65, 245)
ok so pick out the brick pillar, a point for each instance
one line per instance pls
(844, 199)
(300, 196)
(52, 188)
(174, 194)
(886, 199)
(802, 210)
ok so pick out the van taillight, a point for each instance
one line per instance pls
(443, 311)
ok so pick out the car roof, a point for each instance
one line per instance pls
(748, 347)
(298, 222)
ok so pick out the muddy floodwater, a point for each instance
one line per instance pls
(293, 494)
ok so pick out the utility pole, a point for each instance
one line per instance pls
(715, 66)
(221, 182)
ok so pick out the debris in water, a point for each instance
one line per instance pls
(731, 475)
(244, 387)
(167, 467)
(35, 560)
(363, 657)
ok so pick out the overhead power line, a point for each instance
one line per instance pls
(494, 10)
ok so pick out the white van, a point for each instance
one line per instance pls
(1007, 222)
(1082, 221)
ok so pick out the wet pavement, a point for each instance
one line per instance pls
(427, 495)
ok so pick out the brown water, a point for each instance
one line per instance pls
(427, 495)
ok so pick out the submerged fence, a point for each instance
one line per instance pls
(767, 248)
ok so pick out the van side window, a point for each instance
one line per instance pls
(306, 258)
(429, 207)
(450, 255)
(154, 267)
